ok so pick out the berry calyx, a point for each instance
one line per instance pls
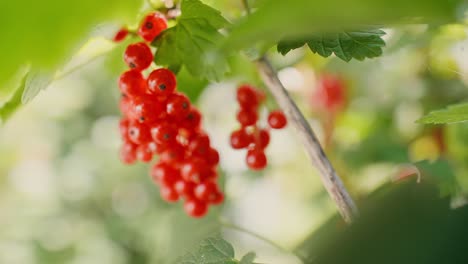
(138, 56)
(162, 82)
(277, 119)
(152, 25)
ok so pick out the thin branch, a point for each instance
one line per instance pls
(330, 179)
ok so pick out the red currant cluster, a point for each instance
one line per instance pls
(250, 135)
(159, 120)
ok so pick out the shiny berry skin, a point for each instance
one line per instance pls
(120, 35)
(123, 128)
(263, 139)
(277, 119)
(178, 106)
(152, 25)
(127, 108)
(185, 189)
(168, 194)
(195, 171)
(163, 173)
(147, 110)
(144, 154)
(165, 133)
(138, 133)
(240, 139)
(200, 145)
(128, 153)
(205, 190)
(162, 82)
(247, 117)
(212, 157)
(195, 208)
(173, 154)
(217, 198)
(256, 159)
(138, 56)
(132, 83)
(247, 97)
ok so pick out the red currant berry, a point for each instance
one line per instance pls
(152, 25)
(128, 153)
(247, 117)
(185, 188)
(195, 208)
(138, 56)
(256, 159)
(331, 93)
(144, 154)
(168, 194)
(199, 145)
(178, 106)
(204, 190)
(162, 81)
(195, 171)
(277, 119)
(127, 108)
(263, 139)
(132, 83)
(212, 157)
(217, 198)
(192, 120)
(240, 139)
(164, 174)
(148, 110)
(247, 97)
(123, 128)
(173, 154)
(165, 134)
(120, 35)
(139, 133)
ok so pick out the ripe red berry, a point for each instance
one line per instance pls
(277, 119)
(247, 97)
(205, 190)
(331, 93)
(123, 128)
(120, 35)
(240, 139)
(192, 120)
(256, 159)
(199, 145)
(128, 152)
(195, 208)
(263, 139)
(195, 170)
(173, 154)
(147, 110)
(138, 133)
(185, 188)
(132, 83)
(164, 133)
(247, 117)
(162, 82)
(212, 157)
(163, 173)
(144, 154)
(152, 25)
(217, 198)
(178, 106)
(168, 194)
(138, 56)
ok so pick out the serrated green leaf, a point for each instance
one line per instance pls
(192, 42)
(346, 45)
(14, 102)
(211, 251)
(274, 20)
(248, 258)
(451, 114)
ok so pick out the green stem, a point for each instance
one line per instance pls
(246, 6)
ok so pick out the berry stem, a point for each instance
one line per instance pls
(330, 179)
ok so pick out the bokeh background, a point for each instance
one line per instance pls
(66, 198)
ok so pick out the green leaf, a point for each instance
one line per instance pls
(35, 82)
(248, 258)
(441, 174)
(274, 20)
(345, 45)
(14, 102)
(192, 42)
(451, 114)
(211, 251)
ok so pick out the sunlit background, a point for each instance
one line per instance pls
(66, 198)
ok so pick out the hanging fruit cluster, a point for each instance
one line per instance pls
(250, 135)
(158, 120)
